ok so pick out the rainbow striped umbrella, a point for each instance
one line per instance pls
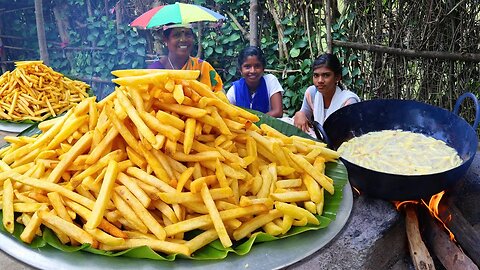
(178, 13)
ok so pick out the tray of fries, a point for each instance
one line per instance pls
(164, 169)
(34, 92)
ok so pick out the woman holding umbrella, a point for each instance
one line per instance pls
(179, 40)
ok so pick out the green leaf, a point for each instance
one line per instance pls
(289, 30)
(234, 37)
(294, 52)
(300, 44)
(91, 37)
(208, 51)
(356, 71)
(141, 51)
(102, 42)
(232, 70)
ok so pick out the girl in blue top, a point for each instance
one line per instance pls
(256, 90)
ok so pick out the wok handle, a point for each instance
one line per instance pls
(475, 101)
(321, 134)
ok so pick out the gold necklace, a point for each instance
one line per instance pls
(171, 64)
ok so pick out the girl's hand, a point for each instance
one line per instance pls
(300, 121)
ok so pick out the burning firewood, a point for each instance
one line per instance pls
(418, 251)
(447, 252)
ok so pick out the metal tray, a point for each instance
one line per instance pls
(269, 255)
(13, 127)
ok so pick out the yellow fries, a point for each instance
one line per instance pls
(34, 91)
(160, 157)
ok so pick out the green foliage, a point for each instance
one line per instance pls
(107, 50)
(102, 49)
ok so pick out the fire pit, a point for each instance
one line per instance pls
(375, 237)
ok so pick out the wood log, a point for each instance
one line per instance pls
(447, 252)
(253, 18)
(3, 55)
(18, 48)
(63, 28)
(418, 251)
(328, 23)
(282, 46)
(42, 41)
(465, 234)
(119, 19)
(468, 57)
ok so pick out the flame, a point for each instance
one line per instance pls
(399, 204)
(433, 208)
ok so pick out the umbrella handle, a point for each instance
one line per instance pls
(475, 101)
(321, 134)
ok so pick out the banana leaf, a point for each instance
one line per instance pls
(214, 250)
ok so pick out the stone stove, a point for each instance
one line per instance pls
(375, 237)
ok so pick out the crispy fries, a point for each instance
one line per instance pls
(161, 157)
(34, 91)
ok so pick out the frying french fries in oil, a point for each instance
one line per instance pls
(34, 91)
(160, 157)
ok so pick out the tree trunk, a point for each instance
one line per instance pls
(254, 23)
(467, 57)
(89, 8)
(199, 40)
(282, 47)
(119, 18)
(3, 55)
(328, 22)
(42, 42)
(62, 26)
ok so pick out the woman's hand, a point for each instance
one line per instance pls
(300, 121)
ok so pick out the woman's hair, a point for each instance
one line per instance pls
(330, 61)
(251, 51)
(166, 32)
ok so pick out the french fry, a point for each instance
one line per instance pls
(205, 220)
(7, 207)
(215, 216)
(190, 125)
(79, 147)
(105, 238)
(32, 227)
(144, 215)
(201, 240)
(103, 197)
(132, 185)
(255, 223)
(296, 212)
(68, 228)
(128, 213)
(308, 168)
(155, 244)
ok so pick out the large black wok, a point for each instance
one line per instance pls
(387, 114)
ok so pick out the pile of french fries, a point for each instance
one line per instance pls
(160, 157)
(34, 91)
